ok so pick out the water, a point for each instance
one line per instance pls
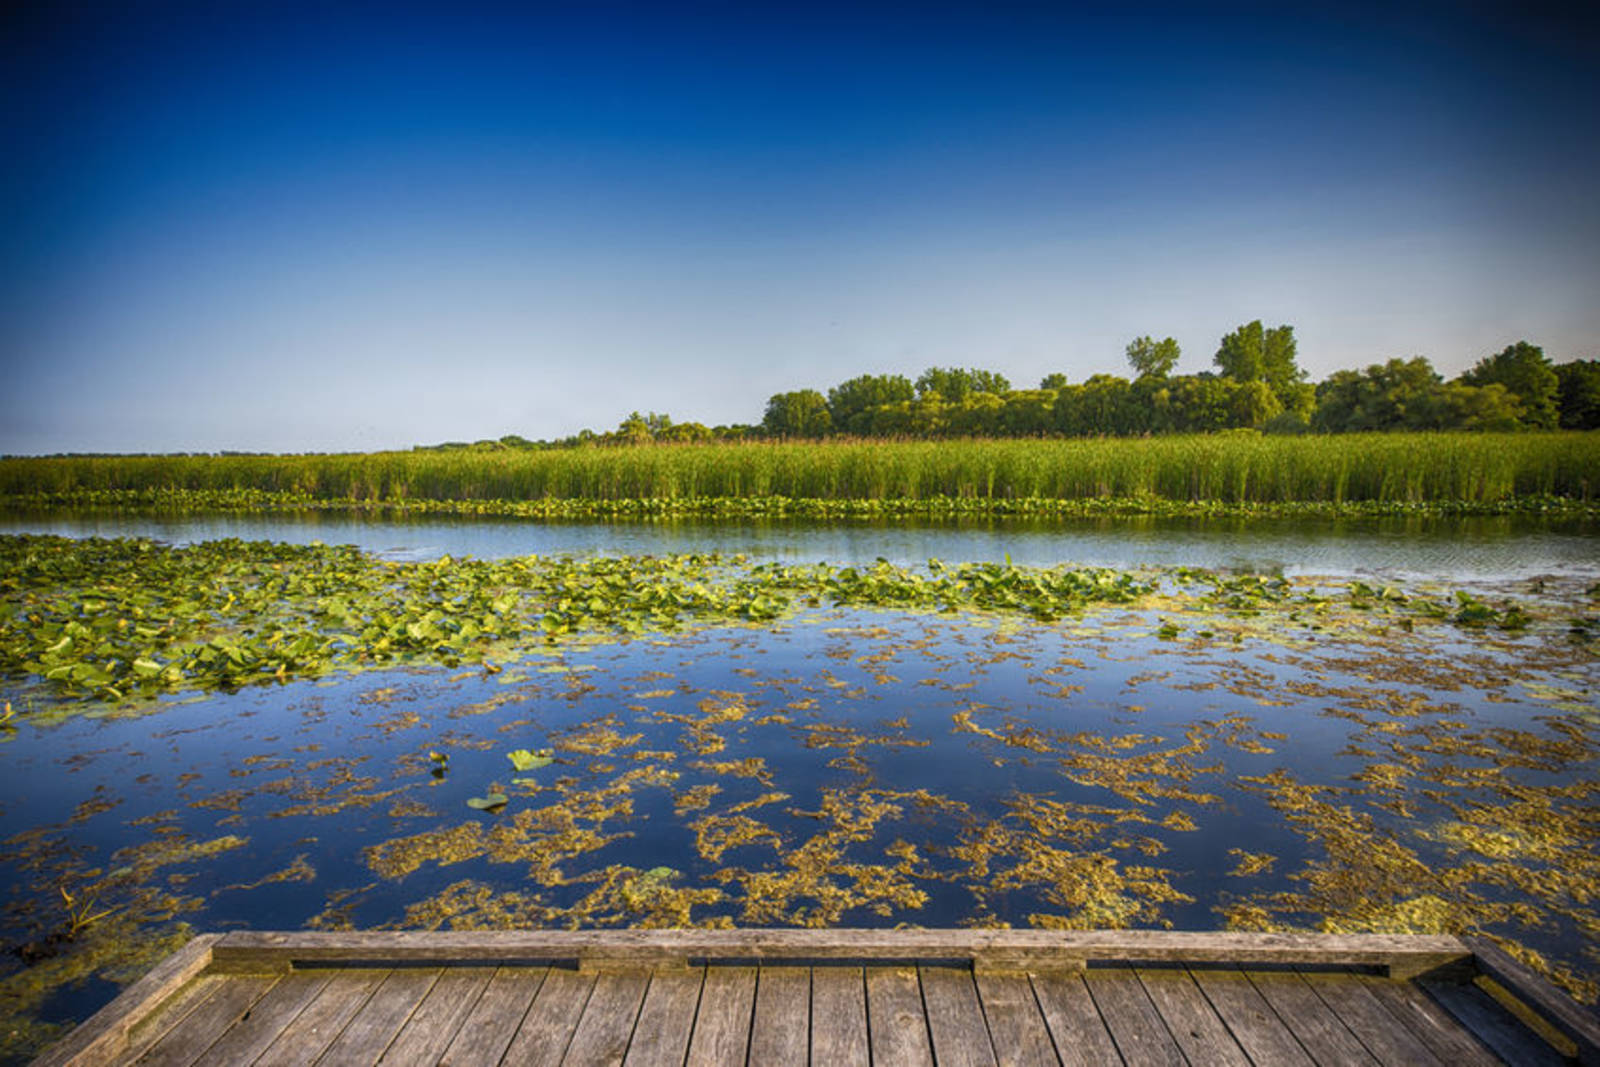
(1450, 549)
(1316, 763)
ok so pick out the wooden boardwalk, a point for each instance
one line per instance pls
(835, 997)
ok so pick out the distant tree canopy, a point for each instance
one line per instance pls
(1258, 385)
(1153, 359)
(1527, 375)
(802, 413)
(1578, 394)
(955, 384)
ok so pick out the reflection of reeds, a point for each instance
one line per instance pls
(1229, 468)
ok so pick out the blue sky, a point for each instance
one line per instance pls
(330, 227)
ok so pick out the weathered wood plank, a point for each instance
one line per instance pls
(435, 1022)
(838, 1016)
(366, 1037)
(250, 1036)
(1079, 1033)
(169, 1013)
(780, 1032)
(897, 1028)
(546, 1027)
(321, 1021)
(1554, 1006)
(188, 1041)
(1134, 1023)
(1016, 1027)
(661, 1034)
(1492, 1024)
(1359, 1010)
(1201, 1035)
(722, 1025)
(1313, 1023)
(1432, 1024)
(496, 1017)
(955, 1017)
(607, 1022)
(105, 1033)
(1251, 1020)
(244, 949)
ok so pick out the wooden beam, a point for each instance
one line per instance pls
(1403, 955)
(1550, 1003)
(104, 1035)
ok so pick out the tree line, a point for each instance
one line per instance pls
(1257, 385)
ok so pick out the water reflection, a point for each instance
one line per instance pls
(1494, 548)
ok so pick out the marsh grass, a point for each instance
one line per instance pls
(1238, 468)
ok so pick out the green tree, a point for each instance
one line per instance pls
(955, 384)
(1578, 394)
(849, 402)
(1401, 394)
(1152, 359)
(1053, 382)
(1253, 353)
(1527, 375)
(1460, 406)
(801, 413)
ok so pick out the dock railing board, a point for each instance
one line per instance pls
(253, 994)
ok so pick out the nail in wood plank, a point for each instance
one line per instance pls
(955, 1018)
(1079, 1033)
(438, 1018)
(781, 1029)
(661, 1035)
(897, 1027)
(1190, 1019)
(1015, 1025)
(186, 1042)
(607, 1022)
(248, 1038)
(494, 1021)
(547, 1028)
(1313, 1023)
(838, 1016)
(1253, 1023)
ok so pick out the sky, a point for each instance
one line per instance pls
(293, 227)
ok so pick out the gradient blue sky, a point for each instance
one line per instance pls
(289, 228)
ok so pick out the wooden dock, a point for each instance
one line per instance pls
(835, 997)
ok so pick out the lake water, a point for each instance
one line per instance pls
(1180, 762)
(1476, 549)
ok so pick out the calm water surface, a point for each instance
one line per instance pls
(1439, 548)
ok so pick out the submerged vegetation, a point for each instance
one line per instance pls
(840, 478)
(707, 741)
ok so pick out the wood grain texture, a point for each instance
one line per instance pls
(1492, 1024)
(607, 1022)
(780, 1031)
(1554, 1006)
(1135, 1025)
(1432, 1024)
(839, 1016)
(897, 1028)
(1016, 1027)
(103, 1035)
(1016, 948)
(722, 1025)
(187, 1042)
(661, 1034)
(322, 1020)
(955, 1017)
(1191, 1020)
(1372, 1024)
(248, 1038)
(1076, 1028)
(438, 1018)
(366, 1037)
(499, 1019)
(1251, 1020)
(1313, 1023)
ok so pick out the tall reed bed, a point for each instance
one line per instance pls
(1229, 468)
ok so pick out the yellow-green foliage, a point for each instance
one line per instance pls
(1240, 467)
